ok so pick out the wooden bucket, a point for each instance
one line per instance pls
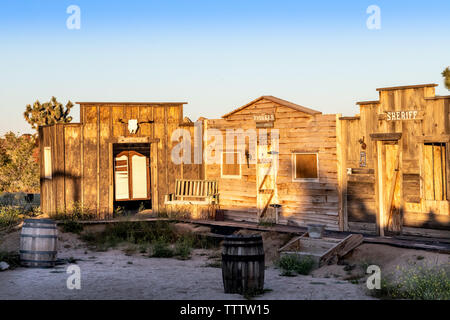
(38, 241)
(243, 264)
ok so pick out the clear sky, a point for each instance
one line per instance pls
(217, 55)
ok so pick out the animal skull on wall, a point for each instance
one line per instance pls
(133, 126)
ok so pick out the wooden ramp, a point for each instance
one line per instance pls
(324, 250)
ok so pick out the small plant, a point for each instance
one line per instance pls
(416, 283)
(214, 264)
(266, 223)
(161, 249)
(72, 226)
(292, 264)
(130, 249)
(71, 260)
(11, 258)
(141, 207)
(118, 212)
(183, 247)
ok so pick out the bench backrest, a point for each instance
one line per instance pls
(195, 188)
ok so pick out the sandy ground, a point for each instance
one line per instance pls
(116, 275)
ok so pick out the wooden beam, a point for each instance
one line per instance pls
(386, 136)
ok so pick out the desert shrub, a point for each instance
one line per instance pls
(9, 216)
(72, 226)
(11, 258)
(161, 249)
(416, 283)
(292, 264)
(183, 247)
(141, 233)
(77, 212)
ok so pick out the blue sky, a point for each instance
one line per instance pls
(216, 55)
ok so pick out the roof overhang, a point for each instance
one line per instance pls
(279, 101)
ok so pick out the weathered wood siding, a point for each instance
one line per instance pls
(82, 162)
(419, 216)
(302, 202)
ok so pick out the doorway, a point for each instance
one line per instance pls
(266, 168)
(131, 176)
(389, 181)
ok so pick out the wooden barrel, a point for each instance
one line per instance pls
(38, 241)
(243, 264)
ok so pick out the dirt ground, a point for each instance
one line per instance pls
(116, 275)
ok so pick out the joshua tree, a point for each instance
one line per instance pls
(446, 75)
(47, 113)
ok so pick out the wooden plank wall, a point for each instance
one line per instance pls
(82, 159)
(419, 216)
(302, 202)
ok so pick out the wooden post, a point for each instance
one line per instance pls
(341, 135)
(111, 180)
(380, 180)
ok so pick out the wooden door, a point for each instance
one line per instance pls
(265, 176)
(389, 188)
(131, 176)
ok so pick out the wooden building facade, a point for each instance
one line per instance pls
(383, 171)
(396, 163)
(294, 164)
(118, 152)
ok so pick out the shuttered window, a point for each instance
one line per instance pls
(435, 171)
(231, 167)
(305, 166)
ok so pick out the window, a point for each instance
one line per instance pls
(47, 162)
(435, 171)
(231, 167)
(305, 166)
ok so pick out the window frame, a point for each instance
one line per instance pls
(294, 167)
(227, 176)
(48, 163)
(445, 170)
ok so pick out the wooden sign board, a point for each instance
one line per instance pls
(264, 120)
(268, 117)
(264, 124)
(401, 115)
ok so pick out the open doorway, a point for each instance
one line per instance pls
(132, 189)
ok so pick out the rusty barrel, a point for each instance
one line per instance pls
(243, 264)
(38, 241)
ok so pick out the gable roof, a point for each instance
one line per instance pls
(278, 101)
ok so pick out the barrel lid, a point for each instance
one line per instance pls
(44, 221)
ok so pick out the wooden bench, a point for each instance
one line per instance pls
(201, 192)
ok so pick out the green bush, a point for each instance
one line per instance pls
(416, 283)
(161, 249)
(183, 247)
(292, 264)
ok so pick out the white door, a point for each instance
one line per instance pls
(132, 178)
(122, 177)
(139, 176)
